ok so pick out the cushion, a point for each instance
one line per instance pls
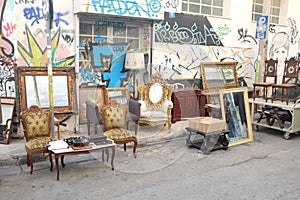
(37, 124)
(114, 116)
(154, 114)
(119, 135)
(38, 143)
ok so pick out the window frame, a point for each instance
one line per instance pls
(188, 5)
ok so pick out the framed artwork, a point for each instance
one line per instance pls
(94, 94)
(120, 95)
(236, 112)
(7, 112)
(32, 87)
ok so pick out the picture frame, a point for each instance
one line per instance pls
(120, 95)
(218, 75)
(236, 113)
(95, 94)
(7, 111)
(32, 87)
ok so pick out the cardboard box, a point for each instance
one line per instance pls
(207, 124)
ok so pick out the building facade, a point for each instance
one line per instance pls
(175, 36)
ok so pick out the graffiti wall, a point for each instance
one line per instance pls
(24, 38)
(126, 8)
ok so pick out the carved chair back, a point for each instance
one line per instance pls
(36, 122)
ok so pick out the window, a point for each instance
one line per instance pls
(204, 7)
(112, 32)
(266, 7)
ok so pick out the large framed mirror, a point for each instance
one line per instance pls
(236, 112)
(32, 87)
(7, 112)
(218, 75)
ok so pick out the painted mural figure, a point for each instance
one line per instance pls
(279, 50)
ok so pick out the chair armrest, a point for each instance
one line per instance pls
(134, 107)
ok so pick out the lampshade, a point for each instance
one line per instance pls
(134, 60)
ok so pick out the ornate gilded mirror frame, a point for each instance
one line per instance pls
(145, 91)
(218, 75)
(32, 86)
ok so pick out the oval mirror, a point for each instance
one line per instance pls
(155, 93)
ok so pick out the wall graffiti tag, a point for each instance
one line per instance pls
(143, 8)
(293, 30)
(245, 37)
(186, 29)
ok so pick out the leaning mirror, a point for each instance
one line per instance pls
(32, 87)
(7, 111)
(236, 113)
(218, 75)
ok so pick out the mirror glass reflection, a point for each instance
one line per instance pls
(219, 75)
(155, 93)
(236, 113)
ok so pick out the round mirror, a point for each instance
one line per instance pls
(155, 93)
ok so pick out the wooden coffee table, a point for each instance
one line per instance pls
(84, 150)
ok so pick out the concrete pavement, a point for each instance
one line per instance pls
(266, 168)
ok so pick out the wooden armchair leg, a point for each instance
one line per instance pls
(31, 163)
(134, 149)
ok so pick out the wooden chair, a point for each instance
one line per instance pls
(115, 125)
(287, 90)
(269, 73)
(36, 124)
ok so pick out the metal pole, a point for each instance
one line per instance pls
(46, 6)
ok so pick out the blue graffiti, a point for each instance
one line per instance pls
(113, 72)
(34, 14)
(58, 18)
(128, 7)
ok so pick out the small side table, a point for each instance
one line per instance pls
(208, 141)
(69, 151)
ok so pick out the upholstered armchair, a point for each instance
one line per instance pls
(36, 124)
(155, 100)
(115, 125)
(121, 95)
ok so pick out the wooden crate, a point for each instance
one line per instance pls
(207, 124)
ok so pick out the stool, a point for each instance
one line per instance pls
(209, 142)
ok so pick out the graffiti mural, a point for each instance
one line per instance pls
(182, 61)
(35, 55)
(7, 63)
(104, 63)
(186, 29)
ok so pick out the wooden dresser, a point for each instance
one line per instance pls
(187, 103)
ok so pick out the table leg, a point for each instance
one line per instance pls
(62, 160)
(113, 150)
(57, 166)
(51, 162)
